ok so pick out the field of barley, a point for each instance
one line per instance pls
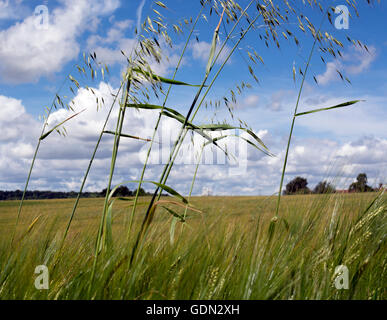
(171, 246)
(230, 248)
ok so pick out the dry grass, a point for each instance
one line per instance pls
(223, 253)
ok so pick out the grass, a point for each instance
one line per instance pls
(235, 247)
(223, 253)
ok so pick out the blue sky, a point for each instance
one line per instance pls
(334, 145)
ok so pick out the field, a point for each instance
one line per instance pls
(232, 249)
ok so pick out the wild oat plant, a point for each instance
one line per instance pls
(181, 247)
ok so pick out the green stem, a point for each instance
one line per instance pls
(293, 122)
(193, 179)
(101, 234)
(157, 125)
(33, 163)
(207, 91)
(88, 169)
(181, 136)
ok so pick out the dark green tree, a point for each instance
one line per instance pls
(324, 187)
(141, 193)
(297, 186)
(361, 184)
(122, 191)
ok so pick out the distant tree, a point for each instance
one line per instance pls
(141, 193)
(297, 186)
(121, 191)
(324, 187)
(360, 185)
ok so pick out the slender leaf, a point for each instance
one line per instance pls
(162, 79)
(128, 136)
(162, 186)
(341, 105)
(108, 227)
(193, 127)
(172, 229)
(154, 107)
(221, 127)
(44, 136)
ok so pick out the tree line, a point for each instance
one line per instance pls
(299, 185)
(121, 191)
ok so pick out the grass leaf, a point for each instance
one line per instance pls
(341, 105)
(166, 188)
(44, 136)
(172, 229)
(127, 136)
(162, 79)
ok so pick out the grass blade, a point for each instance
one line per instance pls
(44, 136)
(164, 80)
(154, 107)
(213, 44)
(341, 105)
(166, 188)
(128, 136)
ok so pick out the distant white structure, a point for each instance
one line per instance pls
(206, 191)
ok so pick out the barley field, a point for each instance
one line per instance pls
(325, 246)
(231, 249)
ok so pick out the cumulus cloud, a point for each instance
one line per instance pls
(17, 130)
(12, 10)
(14, 119)
(108, 48)
(277, 98)
(364, 118)
(62, 160)
(201, 51)
(354, 62)
(329, 75)
(139, 14)
(28, 53)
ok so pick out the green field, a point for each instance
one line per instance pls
(232, 249)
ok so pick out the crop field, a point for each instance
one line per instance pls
(230, 248)
(157, 96)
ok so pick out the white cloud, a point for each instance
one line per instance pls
(329, 75)
(354, 62)
(28, 53)
(108, 48)
(139, 14)
(11, 10)
(359, 59)
(251, 101)
(62, 161)
(277, 98)
(201, 51)
(364, 118)
(13, 119)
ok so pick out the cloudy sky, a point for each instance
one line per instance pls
(35, 62)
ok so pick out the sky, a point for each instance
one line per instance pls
(36, 60)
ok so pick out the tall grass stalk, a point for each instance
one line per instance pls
(102, 228)
(45, 124)
(158, 121)
(181, 135)
(294, 119)
(89, 166)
